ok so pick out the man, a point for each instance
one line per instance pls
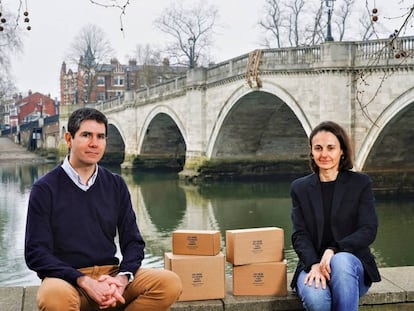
(74, 214)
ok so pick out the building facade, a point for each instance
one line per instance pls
(33, 107)
(95, 82)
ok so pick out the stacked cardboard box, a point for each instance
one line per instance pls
(257, 259)
(197, 260)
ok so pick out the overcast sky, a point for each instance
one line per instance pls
(55, 23)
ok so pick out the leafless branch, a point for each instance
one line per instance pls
(121, 5)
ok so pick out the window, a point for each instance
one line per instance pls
(100, 81)
(118, 80)
(101, 96)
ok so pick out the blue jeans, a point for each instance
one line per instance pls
(342, 292)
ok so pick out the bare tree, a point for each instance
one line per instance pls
(367, 25)
(191, 30)
(295, 9)
(300, 23)
(150, 60)
(272, 23)
(119, 5)
(305, 22)
(314, 33)
(89, 49)
(11, 44)
(148, 55)
(344, 11)
(94, 38)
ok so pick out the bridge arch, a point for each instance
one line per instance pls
(161, 109)
(115, 144)
(162, 141)
(277, 100)
(117, 126)
(390, 117)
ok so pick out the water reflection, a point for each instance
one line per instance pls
(15, 185)
(394, 246)
(163, 204)
(160, 196)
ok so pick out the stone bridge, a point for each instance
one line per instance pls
(253, 112)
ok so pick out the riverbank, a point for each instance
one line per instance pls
(394, 292)
(11, 152)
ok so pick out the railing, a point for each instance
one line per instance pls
(30, 125)
(169, 87)
(385, 51)
(271, 59)
(374, 52)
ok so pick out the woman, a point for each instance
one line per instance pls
(334, 222)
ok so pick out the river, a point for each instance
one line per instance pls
(163, 203)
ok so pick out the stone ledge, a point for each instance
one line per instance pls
(394, 293)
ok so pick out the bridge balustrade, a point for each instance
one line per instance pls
(289, 58)
(169, 87)
(374, 53)
(385, 51)
(231, 68)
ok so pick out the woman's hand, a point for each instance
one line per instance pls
(320, 273)
(325, 264)
(315, 277)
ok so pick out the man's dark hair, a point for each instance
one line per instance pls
(83, 114)
(346, 162)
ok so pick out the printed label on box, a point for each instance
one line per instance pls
(257, 246)
(258, 279)
(197, 279)
(192, 241)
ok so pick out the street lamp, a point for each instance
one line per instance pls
(191, 42)
(329, 5)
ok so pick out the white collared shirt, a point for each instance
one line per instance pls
(74, 176)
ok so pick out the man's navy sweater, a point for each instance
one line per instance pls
(68, 228)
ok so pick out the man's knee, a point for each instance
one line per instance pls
(152, 284)
(56, 294)
(172, 285)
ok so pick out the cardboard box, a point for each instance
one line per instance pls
(246, 246)
(203, 277)
(196, 242)
(268, 278)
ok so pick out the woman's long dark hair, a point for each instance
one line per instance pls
(346, 162)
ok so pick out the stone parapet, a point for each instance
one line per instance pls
(394, 292)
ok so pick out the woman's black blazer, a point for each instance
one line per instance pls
(353, 218)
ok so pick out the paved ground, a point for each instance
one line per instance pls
(12, 153)
(394, 293)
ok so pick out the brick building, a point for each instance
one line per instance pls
(99, 82)
(31, 107)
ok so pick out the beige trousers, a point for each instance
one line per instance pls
(151, 290)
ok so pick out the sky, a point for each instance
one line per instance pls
(55, 24)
